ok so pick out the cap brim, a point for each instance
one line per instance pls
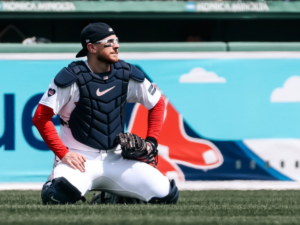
(83, 52)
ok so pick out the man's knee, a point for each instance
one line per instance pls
(171, 198)
(60, 191)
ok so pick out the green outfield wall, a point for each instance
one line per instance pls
(157, 47)
(263, 46)
(126, 47)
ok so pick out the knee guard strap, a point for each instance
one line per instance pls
(171, 198)
(60, 191)
(108, 198)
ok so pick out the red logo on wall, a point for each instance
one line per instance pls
(175, 146)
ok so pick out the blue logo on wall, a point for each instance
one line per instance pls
(0, 6)
(190, 6)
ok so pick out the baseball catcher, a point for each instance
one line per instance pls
(92, 152)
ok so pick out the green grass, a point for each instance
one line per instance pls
(193, 207)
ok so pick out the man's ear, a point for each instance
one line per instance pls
(91, 48)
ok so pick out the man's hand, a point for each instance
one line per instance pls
(75, 161)
(136, 148)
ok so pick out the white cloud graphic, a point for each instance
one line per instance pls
(290, 92)
(200, 75)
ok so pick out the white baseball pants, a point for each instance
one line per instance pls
(108, 171)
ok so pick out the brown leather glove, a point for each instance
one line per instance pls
(136, 148)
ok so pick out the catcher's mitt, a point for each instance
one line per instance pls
(134, 147)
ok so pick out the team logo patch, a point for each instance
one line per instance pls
(152, 89)
(51, 92)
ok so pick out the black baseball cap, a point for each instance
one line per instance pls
(92, 33)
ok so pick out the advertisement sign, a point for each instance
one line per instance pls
(148, 6)
(226, 118)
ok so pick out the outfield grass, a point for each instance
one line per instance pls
(194, 207)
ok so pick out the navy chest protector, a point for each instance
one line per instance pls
(99, 116)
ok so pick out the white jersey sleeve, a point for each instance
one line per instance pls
(56, 97)
(143, 92)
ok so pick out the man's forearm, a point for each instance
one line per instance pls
(42, 121)
(156, 119)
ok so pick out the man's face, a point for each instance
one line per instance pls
(105, 52)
